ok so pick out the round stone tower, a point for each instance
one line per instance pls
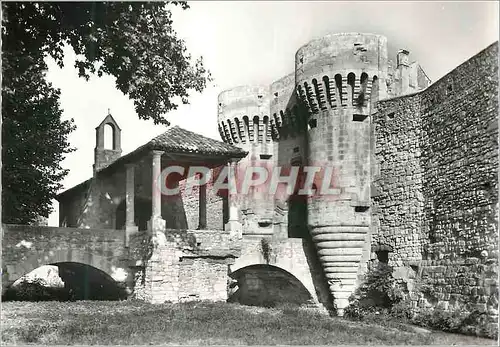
(243, 119)
(338, 79)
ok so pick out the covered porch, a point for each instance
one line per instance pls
(164, 187)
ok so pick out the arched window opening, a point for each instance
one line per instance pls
(283, 118)
(361, 100)
(246, 127)
(237, 124)
(266, 132)
(310, 101)
(276, 120)
(326, 81)
(109, 136)
(221, 133)
(338, 86)
(232, 131)
(351, 80)
(227, 135)
(364, 81)
(318, 93)
(256, 132)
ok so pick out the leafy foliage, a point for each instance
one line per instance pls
(134, 42)
(378, 293)
(35, 291)
(34, 139)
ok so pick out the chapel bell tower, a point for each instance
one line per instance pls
(108, 143)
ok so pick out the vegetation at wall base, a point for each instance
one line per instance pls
(381, 300)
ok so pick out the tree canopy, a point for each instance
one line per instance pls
(134, 42)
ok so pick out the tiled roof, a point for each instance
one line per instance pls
(176, 140)
(180, 140)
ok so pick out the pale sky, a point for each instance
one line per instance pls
(254, 42)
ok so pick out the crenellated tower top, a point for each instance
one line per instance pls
(243, 115)
(287, 113)
(341, 71)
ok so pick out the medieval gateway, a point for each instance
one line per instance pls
(416, 181)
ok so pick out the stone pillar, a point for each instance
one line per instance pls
(233, 225)
(130, 226)
(157, 223)
(403, 66)
(202, 205)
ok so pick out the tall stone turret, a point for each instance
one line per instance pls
(243, 119)
(338, 78)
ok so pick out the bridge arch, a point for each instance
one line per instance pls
(86, 276)
(268, 285)
(54, 257)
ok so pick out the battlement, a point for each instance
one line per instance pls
(341, 71)
(243, 115)
(287, 113)
(339, 91)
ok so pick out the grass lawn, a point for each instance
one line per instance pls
(132, 322)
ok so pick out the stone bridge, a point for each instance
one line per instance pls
(26, 248)
(171, 266)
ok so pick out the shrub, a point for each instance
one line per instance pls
(402, 311)
(456, 321)
(378, 293)
(265, 246)
(34, 291)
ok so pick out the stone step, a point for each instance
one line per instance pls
(341, 269)
(341, 275)
(340, 244)
(340, 258)
(341, 236)
(340, 251)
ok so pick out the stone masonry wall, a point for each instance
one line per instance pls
(184, 265)
(397, 196)
(436, 189)
(460, 159)
(214, 205)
